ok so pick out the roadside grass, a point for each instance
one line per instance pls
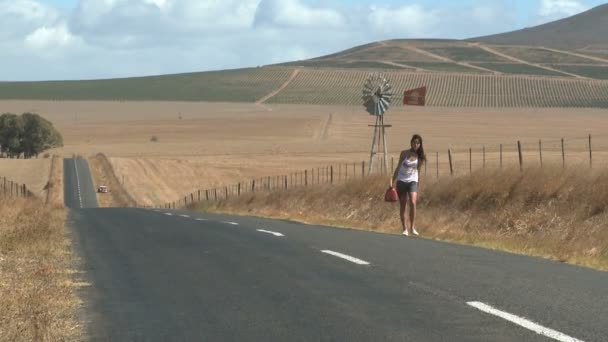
(38, 300)
(552, 213)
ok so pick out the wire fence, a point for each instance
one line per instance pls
(454, 161)
(8, 188)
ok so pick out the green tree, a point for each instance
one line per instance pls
(11, 135)
(28, 134)
(39, 135)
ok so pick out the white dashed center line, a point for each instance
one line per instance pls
(186, 216)
(201, 219)
(539, 329)
(269, 232)
(232, 223)
(168, 214)
(346, 257)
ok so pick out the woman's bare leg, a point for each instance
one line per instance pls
(402, 205)
(412, 201)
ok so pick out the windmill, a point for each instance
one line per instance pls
(377, 94)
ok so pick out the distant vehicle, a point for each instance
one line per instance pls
(102, 189)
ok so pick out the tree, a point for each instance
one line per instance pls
(39, 135)
(11, 134)
(27, 134)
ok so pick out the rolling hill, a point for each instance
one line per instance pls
(526, 68)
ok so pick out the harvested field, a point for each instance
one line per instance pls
(218, 144)
(34, 173)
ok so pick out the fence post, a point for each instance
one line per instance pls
(285, 182)
(192, 198)
(540, 151)
(470, 160)
(590, 156)
(563, 155)
(305, 177)
(239, 189)
(363, 169)
(331, 174)
(521, 166)
(484, 156)
(450, 158)
(215, 193)
(437, 163)
(199, 195)
(392, 163)
(501, 156)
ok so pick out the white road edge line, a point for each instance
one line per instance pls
(346, 257)
(186, 216)
(201, 219)
(269, 232)
(539, 329)
(78, 183)
(168, 214)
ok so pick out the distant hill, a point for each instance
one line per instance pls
(587, 29)
(526, 68)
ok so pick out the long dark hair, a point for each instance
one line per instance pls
(420, 152)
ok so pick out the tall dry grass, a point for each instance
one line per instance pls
(54, 187)
(103, 173)
(550, 212)
(37, 294)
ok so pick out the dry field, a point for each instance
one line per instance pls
(34, 173)
(215, 144)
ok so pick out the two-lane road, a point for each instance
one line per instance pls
(161, 275)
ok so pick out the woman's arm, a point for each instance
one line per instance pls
(401, 157)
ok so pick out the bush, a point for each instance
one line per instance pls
(154, 138)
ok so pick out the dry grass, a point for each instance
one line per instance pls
(37, 293)
(548, 212)
(103, 174)
(54, 187)
(217, 144)
(34, 173)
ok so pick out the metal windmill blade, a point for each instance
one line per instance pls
(377, 95)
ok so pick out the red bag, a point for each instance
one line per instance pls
(391, 195)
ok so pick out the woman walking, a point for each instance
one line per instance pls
(406, 179)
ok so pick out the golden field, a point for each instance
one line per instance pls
(203, 145)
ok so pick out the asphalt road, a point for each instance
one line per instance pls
(167, 275)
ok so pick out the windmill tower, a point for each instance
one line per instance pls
(377, 94)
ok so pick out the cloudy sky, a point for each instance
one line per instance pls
(87, 39)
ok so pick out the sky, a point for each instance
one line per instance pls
(92, 39)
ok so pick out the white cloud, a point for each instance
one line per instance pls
(405, 21)
(556, 9)
(20, 17)
(294, 14)
(142, 37)
(50, 37)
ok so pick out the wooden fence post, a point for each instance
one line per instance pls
(199, 195)
(470, 160)
(501, 156)
(484, 156)
(331, 175)
(239, 190)
(437, 163)
(305, 177)
(450, 158)
(590, 156)
(521, 166)
(563, 155)
(363, 169)
(540, 152)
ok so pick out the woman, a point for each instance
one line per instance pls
(407, 180)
